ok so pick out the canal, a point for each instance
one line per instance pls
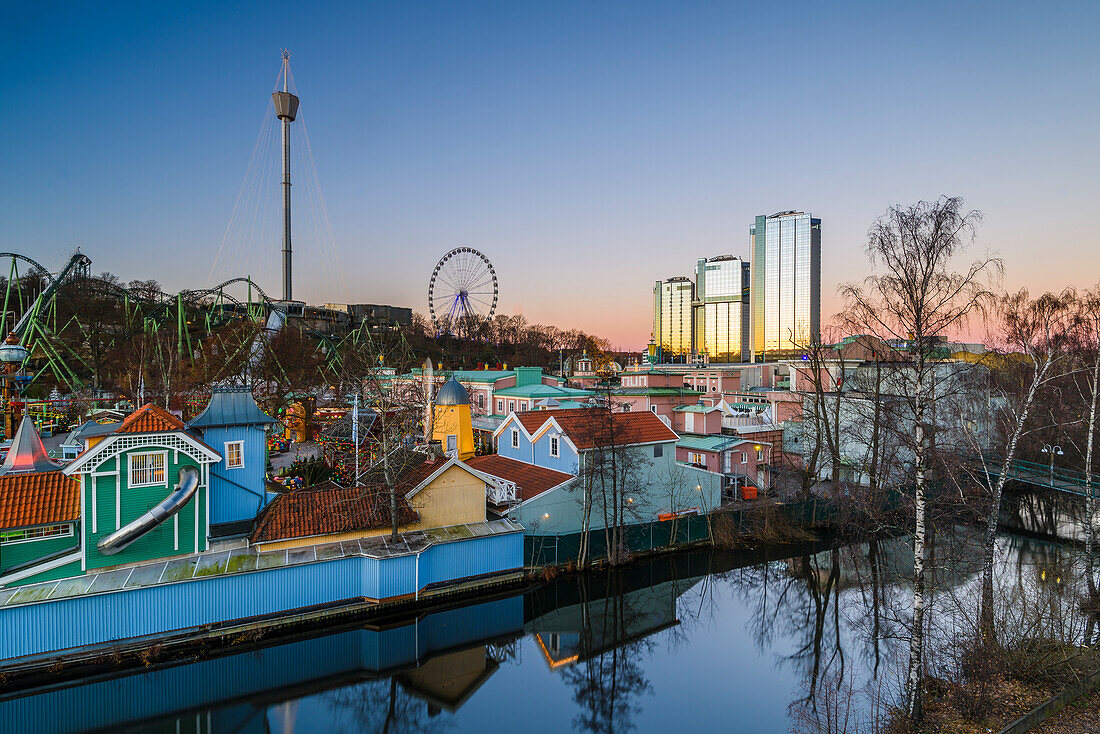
(762, 640)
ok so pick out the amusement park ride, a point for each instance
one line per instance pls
(57, 326)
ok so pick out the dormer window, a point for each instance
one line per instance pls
(554, 448)
(515, 438)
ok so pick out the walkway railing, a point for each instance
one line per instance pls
(1040, 475)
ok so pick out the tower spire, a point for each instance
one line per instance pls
(286, 109)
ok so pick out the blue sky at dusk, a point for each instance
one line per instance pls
(588, 148)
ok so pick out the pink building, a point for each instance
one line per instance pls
(657, 391)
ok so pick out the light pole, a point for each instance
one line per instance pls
(1053, 451)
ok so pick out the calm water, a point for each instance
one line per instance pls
(745, 642)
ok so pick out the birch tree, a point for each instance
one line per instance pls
(917, 296)
(1040, 330)
(1089, 321)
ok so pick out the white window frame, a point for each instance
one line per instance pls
(500, 406)
(697, 457)
(66, 530)
(515, 438)
(555, 447)
(240, 446)
(130, 469)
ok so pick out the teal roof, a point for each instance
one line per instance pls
(541, 391)
(658, 391)
(231, 406)
(695, 408)
(708, 443)
(465, 375)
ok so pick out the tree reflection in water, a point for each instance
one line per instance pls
(609, 678)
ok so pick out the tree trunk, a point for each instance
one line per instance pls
(914, 687)
(993, 518)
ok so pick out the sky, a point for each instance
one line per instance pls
(587, 148)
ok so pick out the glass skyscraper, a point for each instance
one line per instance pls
(672, 303)
(785, 297)
(722, 308)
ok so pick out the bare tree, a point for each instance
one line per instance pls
(1090, 341)
(1040, 330)
(918, 298)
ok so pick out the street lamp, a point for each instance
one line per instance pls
(1053, 451)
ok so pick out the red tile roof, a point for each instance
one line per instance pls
(150, 419)
(531, 480)
(40, 498)
(328, 508)
(588, 428)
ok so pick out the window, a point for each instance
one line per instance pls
(147, 469)
(626, 407)
(744, 457)
(760, 454)
(511, 405)
(234, 454)
(45, 531)
(694, 457)
(500, 406)
(481, 400)
(653, 408)
(515, 438)
(554, 446)
(658, 451)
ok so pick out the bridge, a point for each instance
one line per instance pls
(1041, 475)
(1062, 513)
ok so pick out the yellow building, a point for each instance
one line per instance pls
(452, 423)
(438, 493)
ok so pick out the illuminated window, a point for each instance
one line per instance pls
(45, 531)
(234, 454)
(147, 469)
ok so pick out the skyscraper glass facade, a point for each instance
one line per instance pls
(672, 316)
(786, 283)
(721, 308)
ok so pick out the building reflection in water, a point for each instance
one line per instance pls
(826, 622)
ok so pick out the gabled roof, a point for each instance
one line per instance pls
(328, 509)
(231, 406)
(27, 454)
(588, 428)
(530, 480)
(40, 498)
(195, 448)
(150, 419)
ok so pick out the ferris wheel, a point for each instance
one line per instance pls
(463, 285)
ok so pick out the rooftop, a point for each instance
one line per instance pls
(39, 498)
(708, 443)
(150, 419)
(588, 428)
(530, 480)
(231, 406)
(329, 508)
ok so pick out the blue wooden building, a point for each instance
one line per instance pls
(234, 426)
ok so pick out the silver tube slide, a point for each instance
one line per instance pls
(185, 489)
